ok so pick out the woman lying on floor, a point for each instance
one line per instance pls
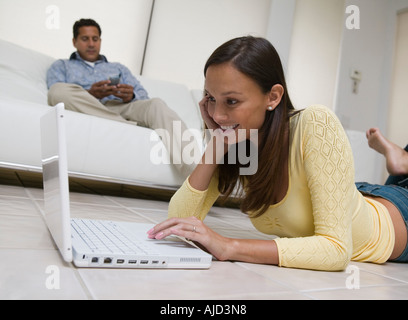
(303, 190)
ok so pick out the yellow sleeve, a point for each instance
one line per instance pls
(329, 168)
(189, 202)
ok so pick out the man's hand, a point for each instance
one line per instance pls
(124, 92)
(102, 89)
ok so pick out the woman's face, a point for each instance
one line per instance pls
(235, 101)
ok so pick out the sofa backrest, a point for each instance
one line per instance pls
(23, 73)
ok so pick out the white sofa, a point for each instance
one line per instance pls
(98, 149)
(101, 149)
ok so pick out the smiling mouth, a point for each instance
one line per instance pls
(225, 128)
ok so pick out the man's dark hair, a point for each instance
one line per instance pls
(85, 23)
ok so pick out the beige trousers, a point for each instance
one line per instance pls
(153, 114)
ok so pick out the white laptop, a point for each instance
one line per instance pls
(99, 243)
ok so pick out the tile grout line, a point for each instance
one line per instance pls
(293, 289)
(31, 197)
(403, 282)
(81, 281)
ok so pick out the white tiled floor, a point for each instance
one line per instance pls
(27, 251)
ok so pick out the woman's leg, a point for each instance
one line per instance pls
(396, 157)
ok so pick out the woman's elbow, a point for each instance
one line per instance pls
(341, 260)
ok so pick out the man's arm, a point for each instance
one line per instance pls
(56, 73)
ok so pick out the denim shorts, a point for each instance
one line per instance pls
(396, 195)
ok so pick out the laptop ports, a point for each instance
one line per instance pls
(120, 261)
(107, 260)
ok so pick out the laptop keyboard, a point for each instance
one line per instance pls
(107, 237)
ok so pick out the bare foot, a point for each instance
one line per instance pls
(396, 157)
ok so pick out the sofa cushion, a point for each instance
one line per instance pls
(97, 148)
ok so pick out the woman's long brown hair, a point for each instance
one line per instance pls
(259, 60)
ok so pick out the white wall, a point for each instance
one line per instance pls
(371, 50)
(366, 50)
(280, 27)
(124, 25)
(184, 33)
(314, 52)
(397, 131)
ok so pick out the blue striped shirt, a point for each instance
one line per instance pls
(77, 71)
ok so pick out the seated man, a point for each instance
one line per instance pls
(89, 84)
(396, 157)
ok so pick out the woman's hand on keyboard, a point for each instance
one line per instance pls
(195, 230)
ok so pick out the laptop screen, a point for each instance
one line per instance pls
(55, 179)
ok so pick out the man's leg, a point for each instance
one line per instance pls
(396, 157)
(399, 180)
(156, 115)
(77, 99)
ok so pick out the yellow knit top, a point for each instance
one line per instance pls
(323, 222)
